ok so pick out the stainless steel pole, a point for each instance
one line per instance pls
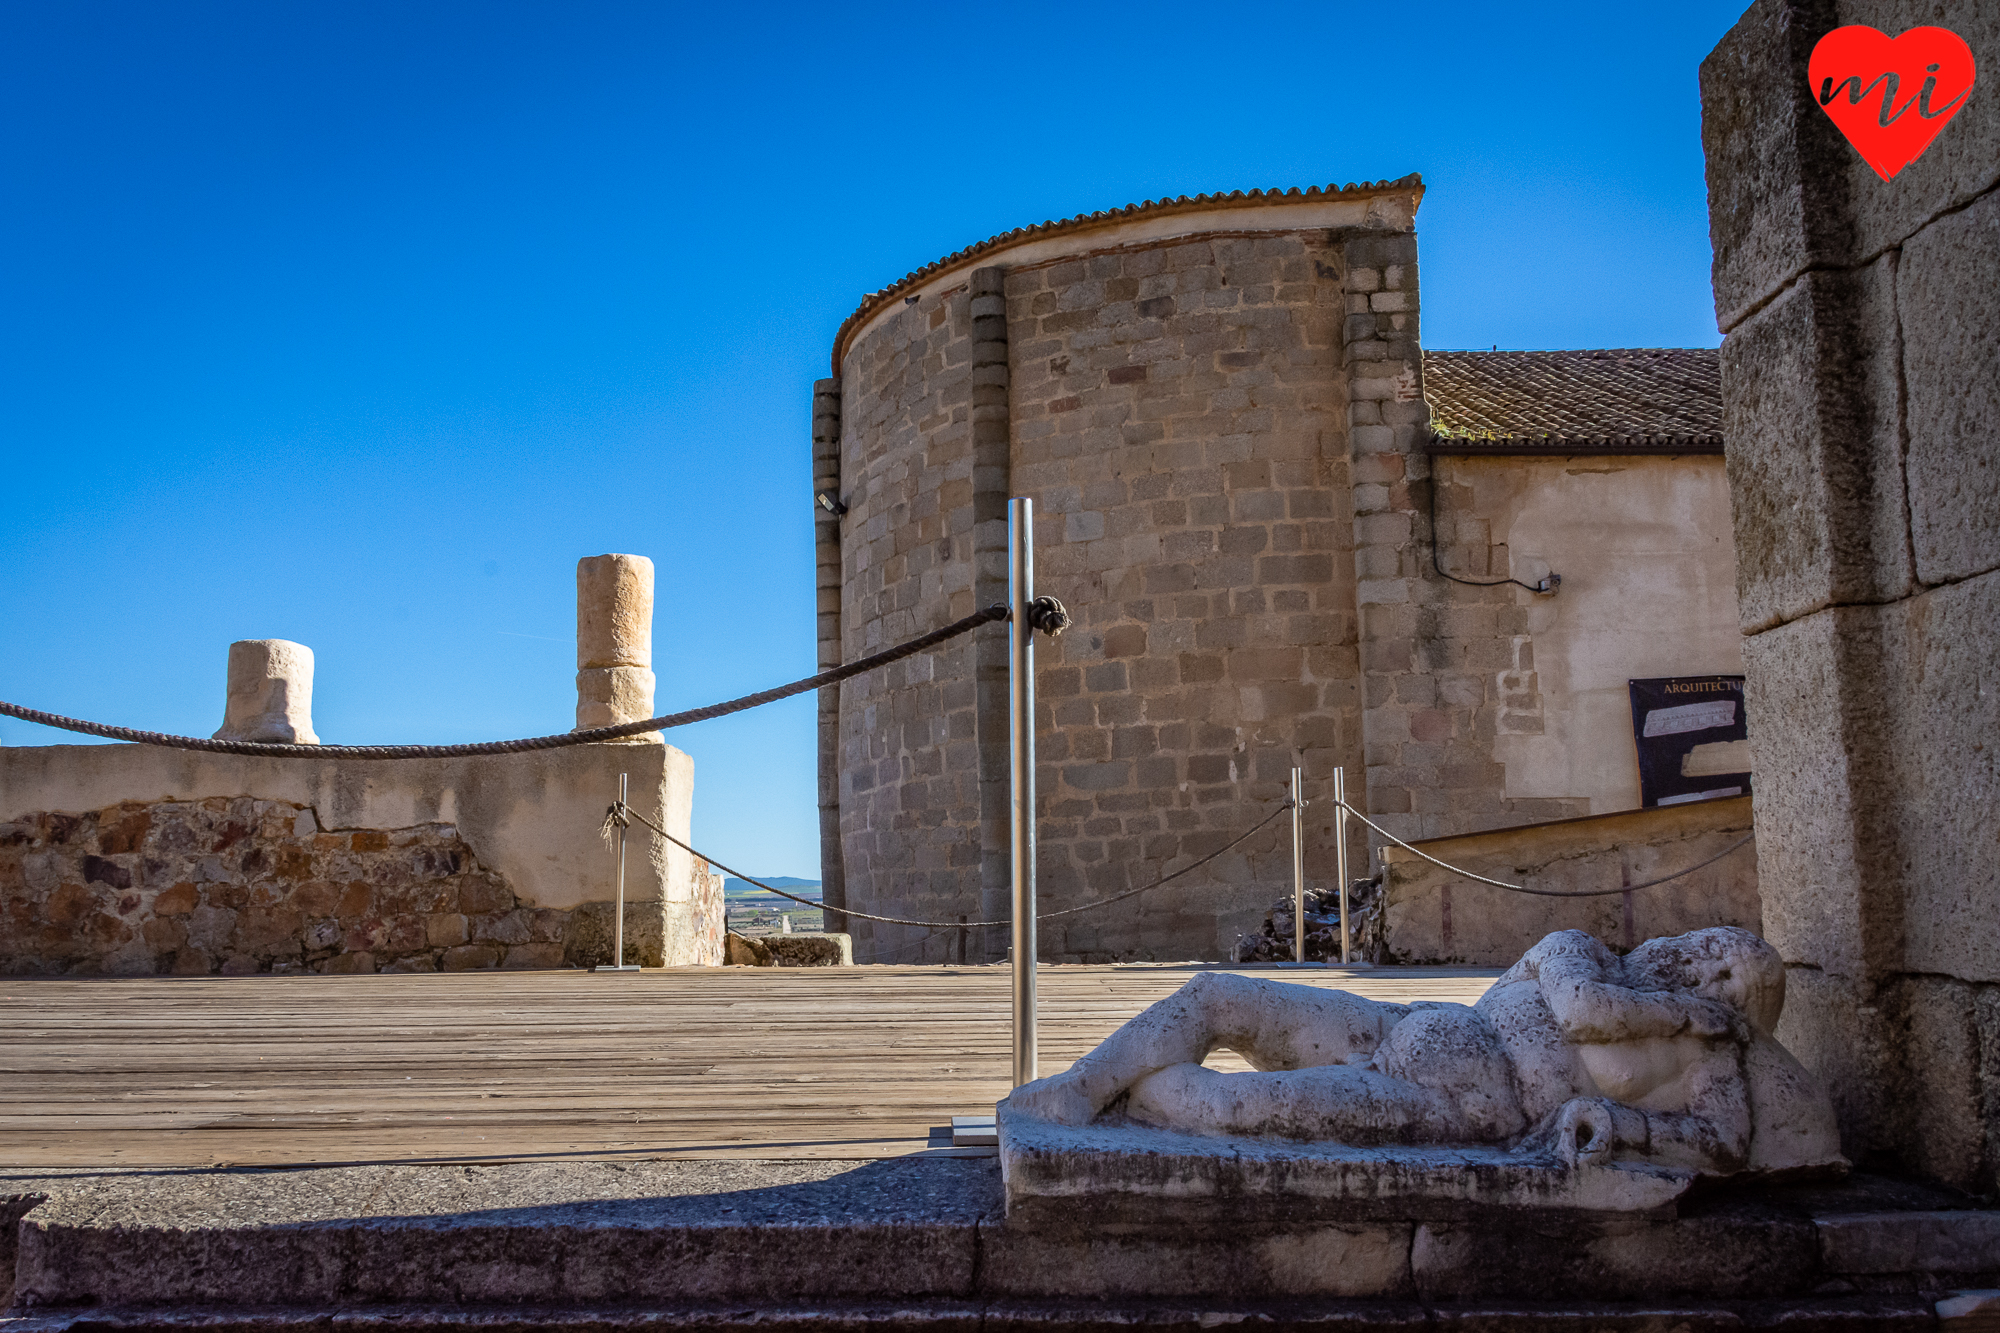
(618, 963)
(618, 918)
(625, 789)
(1021, 771)
(1298, 868)
(1340, 860)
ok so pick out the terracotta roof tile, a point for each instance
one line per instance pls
(1646, 397)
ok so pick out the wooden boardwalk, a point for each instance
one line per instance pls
(727, 1062)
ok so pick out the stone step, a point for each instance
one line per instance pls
(1860, 1314)
(797, 1235)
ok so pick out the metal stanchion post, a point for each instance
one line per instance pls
(980, 1130)
(1021, 769)
(1298, 867)
(618, 963)
(1340, 860)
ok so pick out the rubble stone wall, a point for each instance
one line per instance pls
(1861, 398)
(239, 886)
(133, 859)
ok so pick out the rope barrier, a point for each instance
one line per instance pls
(1546, 893)
(614, 817)
(878, 957)
(1045, 614)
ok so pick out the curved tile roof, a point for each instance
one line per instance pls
(1185, 203)
(1628, 397)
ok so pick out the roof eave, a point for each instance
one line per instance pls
(1563, 447)
(875, 301)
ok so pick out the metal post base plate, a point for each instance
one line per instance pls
(616, 967)
(974, 1131)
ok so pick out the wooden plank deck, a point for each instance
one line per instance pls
(688, 1063)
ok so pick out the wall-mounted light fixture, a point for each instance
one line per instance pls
(830, 503)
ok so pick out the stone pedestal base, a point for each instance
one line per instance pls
(1136, 1177)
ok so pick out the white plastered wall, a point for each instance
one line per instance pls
(1648, 566)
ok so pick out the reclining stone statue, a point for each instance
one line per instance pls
(1663, 1056)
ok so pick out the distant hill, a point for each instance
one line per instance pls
(743, 888)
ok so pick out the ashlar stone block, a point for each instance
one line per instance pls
(1815, 460)
(1786, 190)
(1948, 300)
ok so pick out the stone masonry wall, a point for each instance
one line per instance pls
(910, 795)
(1861, 394)
(529, 823)
(1445, 667)
(1176, 417)
(1223, 435)
(992, 483)
(1429, 916)
(241, 886)
(826, 596)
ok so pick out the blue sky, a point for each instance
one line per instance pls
(357, 324)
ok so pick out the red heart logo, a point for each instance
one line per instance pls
(1890, 96)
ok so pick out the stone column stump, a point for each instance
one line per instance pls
(614, 643)
(270, 693)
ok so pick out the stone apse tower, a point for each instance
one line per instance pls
(1216, 405)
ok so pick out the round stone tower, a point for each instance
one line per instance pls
(1214, 403)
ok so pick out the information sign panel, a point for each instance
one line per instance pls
(1693, 741)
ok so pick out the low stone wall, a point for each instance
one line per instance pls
(132, 860)
(242, 886)
(1429, 915)
(803, 949)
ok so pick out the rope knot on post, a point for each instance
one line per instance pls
(1049, 616)
(617, 815)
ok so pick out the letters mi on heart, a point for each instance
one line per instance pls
(1891, 96)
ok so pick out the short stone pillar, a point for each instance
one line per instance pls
(270, 693)
(614, 642)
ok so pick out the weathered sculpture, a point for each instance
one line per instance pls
(1575, 1058)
